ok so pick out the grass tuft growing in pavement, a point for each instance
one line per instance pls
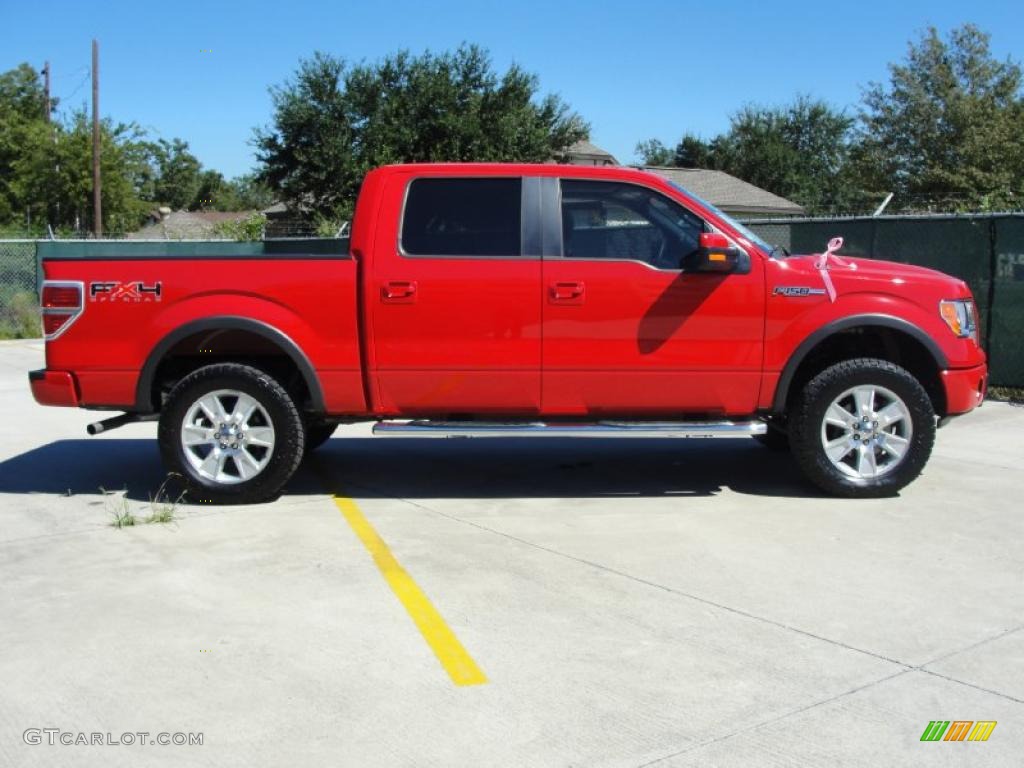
(118, 509)
(162, 507)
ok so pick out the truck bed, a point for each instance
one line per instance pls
(141, 297)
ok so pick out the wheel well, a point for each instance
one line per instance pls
(879, 342)
(228, 345)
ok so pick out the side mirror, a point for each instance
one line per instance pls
(715, 254)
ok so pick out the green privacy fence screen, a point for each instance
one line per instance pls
(984, 250)
(987, 251)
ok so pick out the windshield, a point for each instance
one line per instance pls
(769, 249)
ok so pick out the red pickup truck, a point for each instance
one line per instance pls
(498, 300)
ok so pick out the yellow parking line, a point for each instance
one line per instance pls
(442, 641)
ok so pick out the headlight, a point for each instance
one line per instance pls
(961, 316)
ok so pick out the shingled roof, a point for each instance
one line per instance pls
(734, 196)
(585, 153)
(188, 225)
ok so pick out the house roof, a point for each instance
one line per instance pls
(584, 149)
(187, 225)
(727, 192)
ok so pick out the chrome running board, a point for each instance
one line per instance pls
(423, 428)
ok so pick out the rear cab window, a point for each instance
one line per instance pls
(462, 217)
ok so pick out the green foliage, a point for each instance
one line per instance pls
(949, 126)
(248, 229)
(946, 133)
(690, 152)
(246, 193)
(22, 94)
(799, 151)
(178, 174)
(333, 122)
(19, 314)
(326, 227)
(46, 169)
(219, 194)
(654, 152)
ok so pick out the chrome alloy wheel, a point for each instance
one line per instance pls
(227, 436)
(866, 432)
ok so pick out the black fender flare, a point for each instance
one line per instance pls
(843, 324)
(144, 387)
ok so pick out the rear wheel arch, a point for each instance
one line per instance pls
(878, 336)
(287, 353)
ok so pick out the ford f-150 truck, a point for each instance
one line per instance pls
(500, 300)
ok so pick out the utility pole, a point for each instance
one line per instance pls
(97, 210)
(46, 73)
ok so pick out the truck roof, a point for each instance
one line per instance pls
(523, 169)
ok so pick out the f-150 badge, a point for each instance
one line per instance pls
(797, 290)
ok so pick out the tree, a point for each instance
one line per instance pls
(653, 152)
(247, 192)
(799, 151)
(693, 152)
(241, 194)
(690, 152)
(22, 94)
(333, 122)
(948, 129)
(178, 174)
(22, 121)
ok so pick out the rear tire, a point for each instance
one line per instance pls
(862, 428)
(233, 433)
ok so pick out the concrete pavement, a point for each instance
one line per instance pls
(631, 603)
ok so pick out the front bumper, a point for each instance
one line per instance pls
(965, 388)
(54, 388)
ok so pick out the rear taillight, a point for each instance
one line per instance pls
(61, 302)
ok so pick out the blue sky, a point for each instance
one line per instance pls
(640, 69)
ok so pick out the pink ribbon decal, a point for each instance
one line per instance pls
(827, 258)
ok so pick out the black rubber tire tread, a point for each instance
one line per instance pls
(318, 433)
(289, 429)
(809, 409)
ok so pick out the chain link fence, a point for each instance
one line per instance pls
(984, 250)
(19, 302)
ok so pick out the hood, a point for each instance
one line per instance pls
(874, 275)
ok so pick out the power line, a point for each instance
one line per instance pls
(83, 81)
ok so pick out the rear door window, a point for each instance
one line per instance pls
(463, 217)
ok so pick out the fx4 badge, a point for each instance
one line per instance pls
(797, 290)
(133, 291)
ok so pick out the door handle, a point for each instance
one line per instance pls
(567, 293)
(398, 292)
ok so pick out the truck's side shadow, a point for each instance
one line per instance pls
(426, 469)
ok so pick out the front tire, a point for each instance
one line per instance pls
(862, 428)
(233, 433)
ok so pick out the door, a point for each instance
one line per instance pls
(453, 300)
(627, 330)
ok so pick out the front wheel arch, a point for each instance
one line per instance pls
(881, 337)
